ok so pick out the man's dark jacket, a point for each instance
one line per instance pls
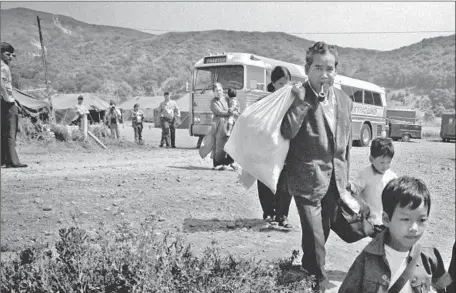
(314, 149)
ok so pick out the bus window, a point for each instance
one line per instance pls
(358, 96)
(255, 73)
(347, 90)
(368, 98)
(377, 100)
(228, 76)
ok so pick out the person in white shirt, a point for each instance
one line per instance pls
(80, 111)
(9, 110)
(168, 112)
(137, 123)
(372, 180)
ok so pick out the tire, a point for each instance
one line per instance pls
(406, 137)
(366, 135)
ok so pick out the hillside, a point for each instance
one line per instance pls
(126, 63)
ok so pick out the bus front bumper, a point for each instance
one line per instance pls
(200, 129)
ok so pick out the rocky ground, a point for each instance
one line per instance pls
(68, 185)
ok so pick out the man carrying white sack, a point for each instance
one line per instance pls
(317, 164)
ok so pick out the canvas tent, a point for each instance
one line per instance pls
(31, 106)
(65, 111)
(146, 104)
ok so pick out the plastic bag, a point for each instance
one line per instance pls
(256, 143)
(206, 145)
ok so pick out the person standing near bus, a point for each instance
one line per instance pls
(317, 163)
(168, 112)
(275, 206)
(9, 110)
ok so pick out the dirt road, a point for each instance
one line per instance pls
(127, 184)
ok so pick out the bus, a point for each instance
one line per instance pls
(250, 74)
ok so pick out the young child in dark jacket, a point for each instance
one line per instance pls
(406, 205)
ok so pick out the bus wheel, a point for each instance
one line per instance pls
(406, 137)
(366, 135)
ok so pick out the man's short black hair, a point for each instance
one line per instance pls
(80, 97)
(166, 94)
(6, 47)
(405, 191)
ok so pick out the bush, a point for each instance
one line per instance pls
(37, 130)
(99, 130)
(138, 260)
(61, 132)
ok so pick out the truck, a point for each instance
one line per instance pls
(447, 128)
(403, 124)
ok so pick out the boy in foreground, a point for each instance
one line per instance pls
(394, 262)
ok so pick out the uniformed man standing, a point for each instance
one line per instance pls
(9, 111)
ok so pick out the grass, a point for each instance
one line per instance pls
(139, 260)
(58, 137)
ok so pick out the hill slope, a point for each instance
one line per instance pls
(92, 58)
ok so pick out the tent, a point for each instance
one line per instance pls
(31, 106)
(146, 104)
(65, 111)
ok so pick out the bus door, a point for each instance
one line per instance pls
(255, 85)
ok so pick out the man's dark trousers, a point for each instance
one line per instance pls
(172, 130)
(10, 121)
(316, 220)
(267, 200)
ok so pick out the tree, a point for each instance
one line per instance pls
(429, 115)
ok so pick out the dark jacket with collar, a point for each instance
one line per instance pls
(315, 151)
(370, 273)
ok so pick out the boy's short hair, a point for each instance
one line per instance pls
(405, 191)
(6, 47)
(80, 97)
(135, 105)
(232, 92)
(320, 48)
(166, 94)
(382, 147)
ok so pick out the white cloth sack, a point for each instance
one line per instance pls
(256, 143)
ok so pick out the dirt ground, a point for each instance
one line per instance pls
(95, 185)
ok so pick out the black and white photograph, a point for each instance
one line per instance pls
(227, 147)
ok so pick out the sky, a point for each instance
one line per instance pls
(371, 25)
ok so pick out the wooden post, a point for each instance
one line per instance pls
(84, 126)
(97, 140)
(43, 55)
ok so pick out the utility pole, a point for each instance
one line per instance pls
(43, 55)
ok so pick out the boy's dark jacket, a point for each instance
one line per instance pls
(370, 272)
(315, 151)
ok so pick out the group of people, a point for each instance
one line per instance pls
(316, 175)
(168, 112)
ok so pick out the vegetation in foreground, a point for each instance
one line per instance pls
(140, 260)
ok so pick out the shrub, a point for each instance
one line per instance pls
(61, 132)
(77, 135)
(34, 130)
(138, 260)
(99, 130)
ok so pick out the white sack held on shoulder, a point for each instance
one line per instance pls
(256, 143)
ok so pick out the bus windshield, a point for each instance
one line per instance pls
(228, 76)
